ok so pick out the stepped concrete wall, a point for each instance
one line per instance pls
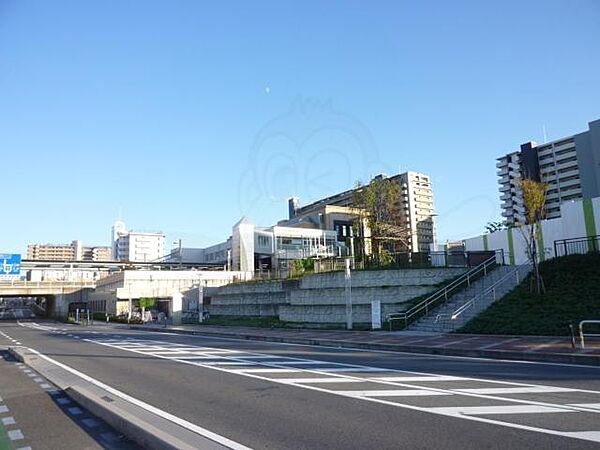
(320, 298)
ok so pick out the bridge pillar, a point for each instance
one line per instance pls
(175, 307)
(61, 306)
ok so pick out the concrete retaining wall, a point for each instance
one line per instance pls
(320, 298)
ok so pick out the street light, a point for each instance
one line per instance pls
(178, 243)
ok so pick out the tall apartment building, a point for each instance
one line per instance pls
(416, 205)
(137, 246)
(74, 251)
(570, 166)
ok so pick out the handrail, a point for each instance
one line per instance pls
(443, 292)
(581, 324)
(492, 288)
(49, 283)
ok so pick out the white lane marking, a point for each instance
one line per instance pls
(414, 379)
(396, 384)
(319, 380)
(8, 421)
(263, 357)
(195, 357)
(265, 371)
(165, 415)
(3, 409)
(45, 386)
(63, 400)
(516, 390)
(228, 363)
(38, 380)
(501, 409)
(356, 369)
(361, 350)
(391, 393)
(352, 369)
(587, 435)
(15, 435)
(587, 405)
(300, 363)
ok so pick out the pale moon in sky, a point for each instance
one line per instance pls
(267, 90)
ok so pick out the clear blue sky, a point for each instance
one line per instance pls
(185, 115)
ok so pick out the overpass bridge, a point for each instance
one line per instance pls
(58, 294)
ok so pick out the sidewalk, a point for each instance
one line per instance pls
(528, 348)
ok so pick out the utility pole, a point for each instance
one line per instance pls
(180, 255)
(348, 291)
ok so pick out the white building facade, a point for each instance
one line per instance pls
(137, 246)
(570, 167)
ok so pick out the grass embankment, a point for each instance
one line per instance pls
(572, 294)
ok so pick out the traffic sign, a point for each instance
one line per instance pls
(10, 264)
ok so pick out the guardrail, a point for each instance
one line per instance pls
(581, 335)
(490, 289)
(47, 284)
(442, 295)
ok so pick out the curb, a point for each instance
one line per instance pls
(142, 427)
(560, 358)
(137, 430)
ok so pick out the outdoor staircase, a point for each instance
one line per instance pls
(473, 299)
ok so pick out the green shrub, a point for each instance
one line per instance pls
(572, 294)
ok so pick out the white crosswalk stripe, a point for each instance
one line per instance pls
(502, 409)
(396, 388)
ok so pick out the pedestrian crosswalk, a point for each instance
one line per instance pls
(568, 412)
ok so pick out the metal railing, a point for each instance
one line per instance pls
(490, 289)
(441, 296)
(582, 245)
(581, 335)
(46, 284)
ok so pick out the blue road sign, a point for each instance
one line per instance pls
(10, 264)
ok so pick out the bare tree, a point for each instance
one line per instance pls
(534, 199)
(378, 204)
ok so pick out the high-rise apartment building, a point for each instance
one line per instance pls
(74, 251)
(137, 246)
(416, 206)
(570, 166)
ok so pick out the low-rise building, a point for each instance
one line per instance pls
(74, 251)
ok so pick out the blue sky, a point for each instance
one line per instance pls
(185, 115)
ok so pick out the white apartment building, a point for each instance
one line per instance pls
(569, 166)
(137, 246)
(416, 204)
(75, 251)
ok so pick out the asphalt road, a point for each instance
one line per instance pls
(35, 414)
(266, 395)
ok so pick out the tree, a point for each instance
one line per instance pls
(494, 226)
(378, 204)
(534, 200)
(146, 303)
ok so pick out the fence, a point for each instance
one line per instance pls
(564, 247)
(396, 261)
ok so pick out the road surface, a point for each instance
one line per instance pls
(269, 395)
